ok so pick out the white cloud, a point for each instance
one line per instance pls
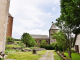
(28, 17)
(54, 8)
(18, 32)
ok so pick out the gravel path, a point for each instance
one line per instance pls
(47, 56)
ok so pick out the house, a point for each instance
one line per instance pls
(9, 25)
(49, 40)
(4, 10)
(77, 44)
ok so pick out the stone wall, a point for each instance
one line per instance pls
(50, 36)
(4, 9)
(39, 41)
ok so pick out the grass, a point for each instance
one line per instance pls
(10, 46)
(25, 55)
(75, 56)
(16, 42)
(56, 56)
(1, 59)
(34, 47)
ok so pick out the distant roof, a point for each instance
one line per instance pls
(40, 36)
(9, 15)
(53, 26)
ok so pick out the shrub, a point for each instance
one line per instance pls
(43, 43)
(48, 47)
(10, 39)
(52, 46)
(21, 44)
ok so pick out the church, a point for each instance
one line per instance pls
(49, 40)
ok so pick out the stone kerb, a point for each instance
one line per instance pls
(62, 56)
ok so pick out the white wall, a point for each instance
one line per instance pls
(4, 8)
(78, 42)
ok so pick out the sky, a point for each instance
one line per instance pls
(33, 16)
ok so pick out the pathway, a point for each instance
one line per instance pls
(47, 56)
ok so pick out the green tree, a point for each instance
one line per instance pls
(28, 40)
(9, 39)
(70, 16)
(43, 43)
(60, 38)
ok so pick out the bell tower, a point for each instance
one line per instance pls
(51, 31)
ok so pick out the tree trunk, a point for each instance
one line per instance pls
(63, 49)
(26, 44)
(69, 52)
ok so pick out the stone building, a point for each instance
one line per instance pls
(9, 25)
(51, 31)
(4, 10)
(49, 40)
(39, 38)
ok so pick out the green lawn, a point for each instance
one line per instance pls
(25, 55)
(16, 42)
(56, 56)
(75, 56)
(10, 46)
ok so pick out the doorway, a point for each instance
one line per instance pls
(77, 48)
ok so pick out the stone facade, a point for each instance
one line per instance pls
(4, 9)
(39, 41)
(39, 38)
(9, 25)
(49, 40)
(51, 31)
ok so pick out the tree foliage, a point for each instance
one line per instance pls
(10, 39)
(28, 40)
(69, 20)
(70, 13)
(60, 38)
(43, 43)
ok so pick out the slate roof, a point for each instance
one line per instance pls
(53, 27)
(9, 15)
(40, 36)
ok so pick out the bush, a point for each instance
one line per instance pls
(52, 46)
(48, 47)
(10, 39)
(43, 43)
(21, 44)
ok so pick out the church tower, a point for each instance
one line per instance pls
(51, 31)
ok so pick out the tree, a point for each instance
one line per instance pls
(67, 30)
(28, 40)
(60, 38)
(70, 16)
(43, 43)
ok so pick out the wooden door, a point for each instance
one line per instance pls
(77, 48)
